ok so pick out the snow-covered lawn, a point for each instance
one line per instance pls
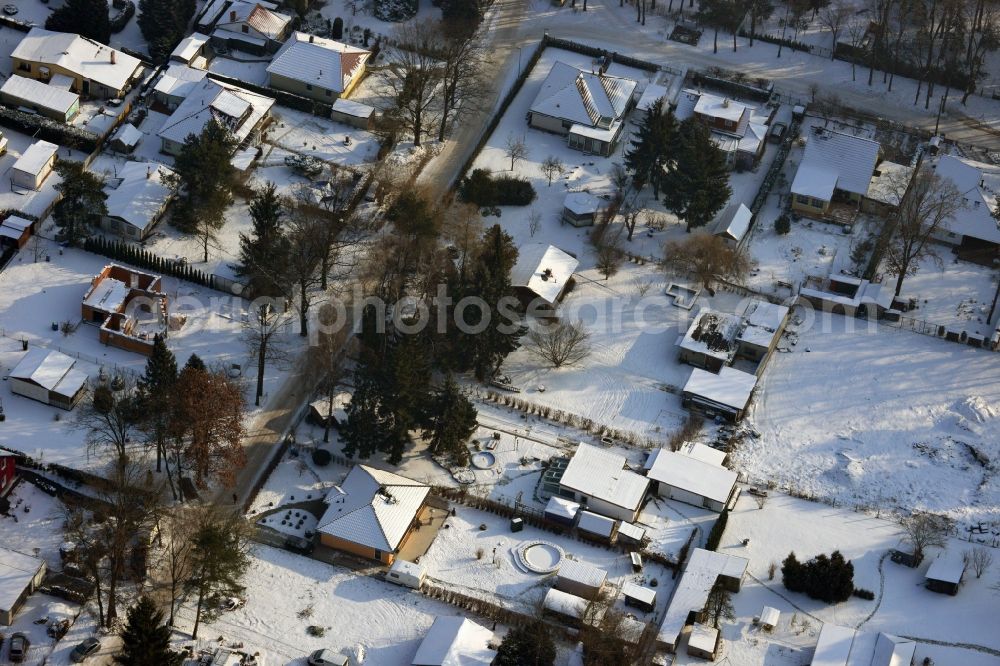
(306, 134)
(287, 593)
(27, 201)
(787, 524)
(249, 68)
(34, 525)
(956, 294)
(879, 417)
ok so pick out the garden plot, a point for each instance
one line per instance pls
(36, 295)
(482, 563)
(956, 294)
(288, 593)
(787, 524)
(879, 417)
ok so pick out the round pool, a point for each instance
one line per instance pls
(539, 556)
(483, 460)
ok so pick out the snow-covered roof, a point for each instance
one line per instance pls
(352, 108)
(583, 97)
(649, 96)
(703, 453)
(607, 135)
(763, 320)
(646, 595)
(722, 108)
(88, 59)
(564, 603)
(888, 180)
(834, 646)
(212, 99)
(580, 572)
(39, 94)
(753, 137)
(339, 410)
(712, 334)
(868, 293)
(256, 15)
(140, 195)
(703, 637)
(562, 507)
(947, 567)
(734, 222)
(108, 294)
(544, 269)
(373, 508)
(326, 63)
(835, 160)
(408, 568)
(51, 370)
(212, 12)
(979, 185)
(455, 641)
(36, 157)
(597, 473)
(893, 651)
(632, 531)
(62, 81)
(596, 524)
(17, 222)
(677, 470)
(16, 572)
(769, 616)
(731, 387)
(701, 573)
(129, 135)
(581, 203)
(188, 48)
(243, 159)
(179, 80)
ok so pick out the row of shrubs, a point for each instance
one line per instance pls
(47, 129)
(137, 256)
(486, 190)
(718, 529)
(792, 44)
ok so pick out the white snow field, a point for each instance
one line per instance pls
(879, 417)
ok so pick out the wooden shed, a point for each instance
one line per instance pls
(580, 579)
(34, 165)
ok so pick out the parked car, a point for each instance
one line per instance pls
(19, 645)
(10, 10)
(85, 649)
(778, 132)
(327, 657)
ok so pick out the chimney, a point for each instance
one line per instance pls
(112, 57)
(312, 38)
(232, 16)
(725, 103)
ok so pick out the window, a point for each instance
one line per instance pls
(24, 66)
(309, 86)
(246, 29)
(566, 124)
(817, 203)
(329, 93)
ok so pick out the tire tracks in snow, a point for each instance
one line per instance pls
(881, 591)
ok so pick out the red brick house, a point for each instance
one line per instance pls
(7, 473)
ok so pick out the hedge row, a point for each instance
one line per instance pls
(121, 19)
(715, 536)
(483, 189)
(595, 52)
(137, 256)
(786, 42)
(732, 87)
(40, 127)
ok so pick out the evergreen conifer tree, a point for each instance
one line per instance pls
(696, 184)
(146, 639)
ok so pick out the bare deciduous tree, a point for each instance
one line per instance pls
(719, 605)
(978, 560)
(560, 343)
(706, 258)
(927, 203)
(924, 530)
(174, 556)
(462, 58)
(534, 222)
(412, 73)
(552, 167)
(262, 335)
(609, 259)
(516, 149)
(834, 16)
(110, 416)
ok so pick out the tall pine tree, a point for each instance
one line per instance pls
(449, 420)
(81, 203)
(367, 429)
(264, 252)
(164, 24)
(156, 395)
(146, 639)
(87, 18)
(651, 147)
(527, 645)
(696, 184)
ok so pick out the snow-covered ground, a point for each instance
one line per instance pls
(879, 417)
(330, 141)
(787, 524)
(16, 198)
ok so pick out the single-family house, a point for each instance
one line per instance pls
(763, 325)
(243, 112)
(710, 340)
(353, 113)
(253, 27)
(726, 393)
(130, 307)
(49, 377)
(703, 570)
(15, 231)
(96, 70)
(20, 575)
(703, 641)
(8, 472)
(137, 199)
(34, 165)
(738, 129)
(455, 641)
(693, 480)
(946, 572)
(733, 224)
(972, 229)
(174, 85)
(580, 209)
(843, 646)
(52, 102)
(372, 514)
(580, 579)
(191, 50)
(587, 107)
(835, 166)
(599, 480)
(320, 69)
(542, 275)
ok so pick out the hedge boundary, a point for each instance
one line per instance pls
(142, 258)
